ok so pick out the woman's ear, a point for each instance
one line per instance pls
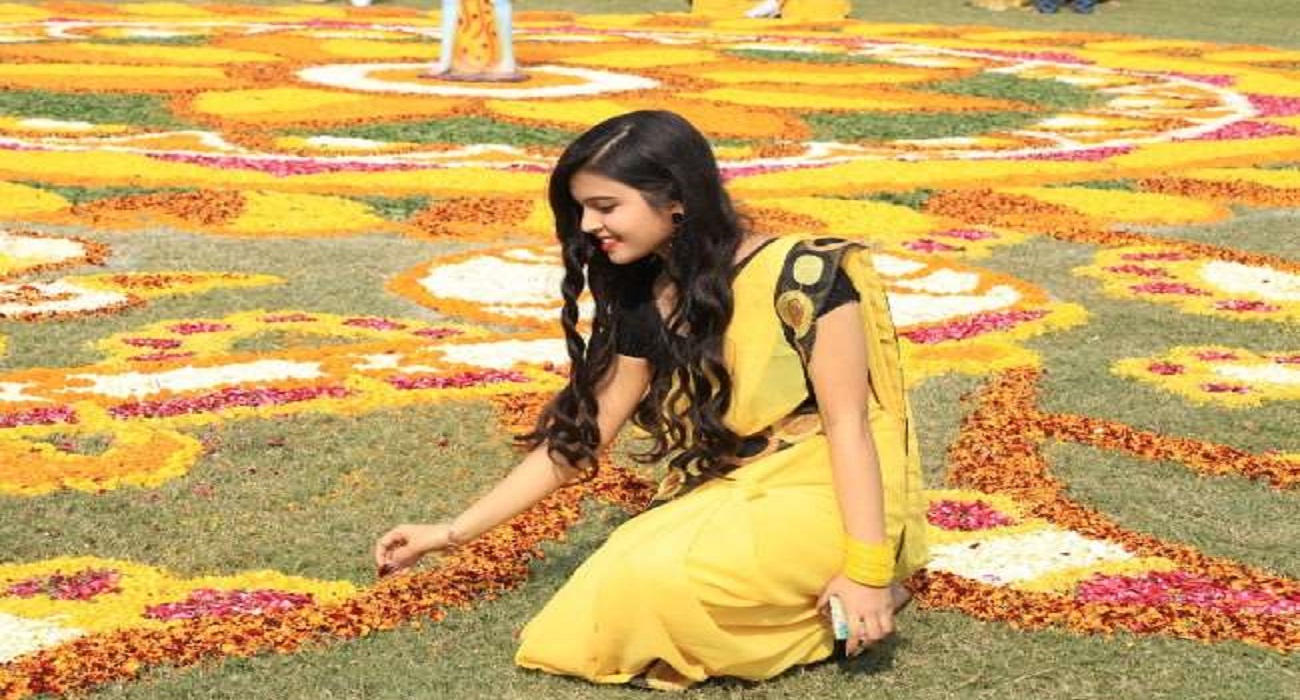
(677, 212)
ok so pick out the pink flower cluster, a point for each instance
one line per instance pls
(225, 398)
(1167, 255)
(38, 416)
(286, 167)
(966, 516)
(1275, 105)
(437, 333)
(966, 234)
(1243, 130)
(161, 357)
(455, 381)
(748, 170)
(1224, 388)
(1048, 56)
(1139, 270)
(154, 343)
(1215, 355)
(970, 327)
(1245, 305)
(1209, 79)
(1180, 587)
(319, 23)
(1287, 359)
(1086, 155)
(1168, 288)
(208, 602)
(1165, 368)
(929, 245)
(374, 324)
(199, 327)
(83, 585)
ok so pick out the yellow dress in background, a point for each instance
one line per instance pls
(721, 576)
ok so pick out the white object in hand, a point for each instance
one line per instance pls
(767, 8)
(839, 622)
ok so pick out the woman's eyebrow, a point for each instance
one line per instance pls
(600, 198)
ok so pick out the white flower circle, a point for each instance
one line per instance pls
(57, 297)
(20, 635)
(1268, 282)
(356, 76)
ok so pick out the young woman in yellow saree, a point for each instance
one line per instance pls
(766, 371)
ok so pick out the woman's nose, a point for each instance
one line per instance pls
(590, 221)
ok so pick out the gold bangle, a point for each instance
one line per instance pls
(868, 564)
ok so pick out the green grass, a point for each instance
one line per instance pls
(1267, 22)
(1223, 516)
(804, 57)
(888, 126)
(185, 40)
(1045, 96)
(396, 208)
(1123, 185)
(1050, 95)
(83, 195)
(142, 110)
(914, 199)
(77, 444)
(459, 130)
(305, 496)
(271, 341)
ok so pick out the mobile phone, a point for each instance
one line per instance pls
(839, 623)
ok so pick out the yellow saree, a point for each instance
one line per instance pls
(721, 577)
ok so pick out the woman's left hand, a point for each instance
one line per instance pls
(870, 611)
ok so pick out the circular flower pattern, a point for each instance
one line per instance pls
(1200, 283)
(1229, 377)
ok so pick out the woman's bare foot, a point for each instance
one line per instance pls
(437, 70)
(901, 596)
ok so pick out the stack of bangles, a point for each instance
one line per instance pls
(868, 564)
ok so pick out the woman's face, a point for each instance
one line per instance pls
(625, 225)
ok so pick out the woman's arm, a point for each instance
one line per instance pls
(838, 370)
(533, 479)
(538, 475)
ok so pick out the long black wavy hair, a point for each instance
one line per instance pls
(664, 157)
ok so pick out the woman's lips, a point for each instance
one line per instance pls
(608, 244)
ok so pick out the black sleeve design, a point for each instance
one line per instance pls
(810, 285)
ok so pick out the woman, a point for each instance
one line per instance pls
(766, 372)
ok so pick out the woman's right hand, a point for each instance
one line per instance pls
(401, 547)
